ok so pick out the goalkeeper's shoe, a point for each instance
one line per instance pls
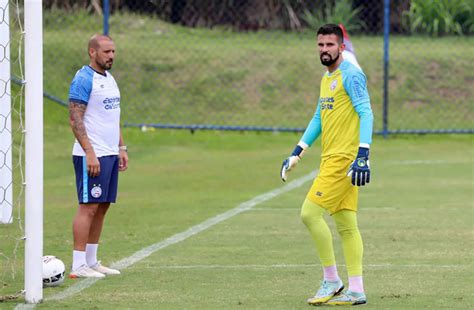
(104, 270)
(348, 298)
(85, 271)
(327, 290)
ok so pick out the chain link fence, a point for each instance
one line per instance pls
(254, 64)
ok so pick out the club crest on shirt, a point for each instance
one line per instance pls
(96, 191)
(333, 85)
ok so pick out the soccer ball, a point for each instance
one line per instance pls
(53, 271)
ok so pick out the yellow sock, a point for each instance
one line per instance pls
(312, 216)
(346, 221)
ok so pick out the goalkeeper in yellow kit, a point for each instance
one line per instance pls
(344, 120)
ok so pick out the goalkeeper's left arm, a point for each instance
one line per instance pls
(311, 133)
(359, 171)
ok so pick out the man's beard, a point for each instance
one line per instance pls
(328, 62)
(105, 65)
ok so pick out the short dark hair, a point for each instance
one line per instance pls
(94, 40)
(332, 29)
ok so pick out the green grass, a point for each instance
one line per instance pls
(175, 75)
(416, 218)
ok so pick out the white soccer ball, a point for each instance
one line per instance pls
(53, 271)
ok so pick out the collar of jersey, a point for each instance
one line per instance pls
(105, 74)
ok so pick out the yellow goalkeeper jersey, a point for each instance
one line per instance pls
(343, 116)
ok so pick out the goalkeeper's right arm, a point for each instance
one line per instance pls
(291, 161)
(311, 133)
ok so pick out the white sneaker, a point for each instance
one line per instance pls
(326, 291)
(104, 270)
(85, 272)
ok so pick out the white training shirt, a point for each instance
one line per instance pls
(102, 118)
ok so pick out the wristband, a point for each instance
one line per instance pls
(363, 152)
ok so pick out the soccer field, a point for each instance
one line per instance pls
(416, 219)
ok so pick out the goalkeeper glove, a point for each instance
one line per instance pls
(291, 161)
(360, 168)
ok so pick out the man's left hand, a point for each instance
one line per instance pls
(123, 160)
(360, 168)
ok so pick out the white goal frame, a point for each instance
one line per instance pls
(34, 150)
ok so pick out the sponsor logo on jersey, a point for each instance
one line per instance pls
(326, 99)
(358, 86)
(327, 103)
(111, 103)
(96, 191)
(327, 106)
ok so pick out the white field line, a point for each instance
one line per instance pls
(299, 209)
(25, 306)
(298, 266)
(144, 253)
(426, 162)
(447, 206)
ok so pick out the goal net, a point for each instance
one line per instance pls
(11, 145)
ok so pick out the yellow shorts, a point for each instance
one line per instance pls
(332, 189)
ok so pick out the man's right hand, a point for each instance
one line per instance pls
(291, 161)
(287, 165)
(93, 165)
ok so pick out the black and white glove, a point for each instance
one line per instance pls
(290, 162)
(360, 168)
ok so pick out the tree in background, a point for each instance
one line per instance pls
(436, 17)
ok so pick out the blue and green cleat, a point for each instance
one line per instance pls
(348, 298)
(327, 290)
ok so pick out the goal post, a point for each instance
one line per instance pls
(33, 150)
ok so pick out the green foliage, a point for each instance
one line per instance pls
(55, 17)
(440, 17)
(339, 13)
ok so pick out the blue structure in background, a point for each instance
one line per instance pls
(106, 8)
(386, 58)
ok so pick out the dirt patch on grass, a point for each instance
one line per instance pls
(469, 79)
(396, 81)
(414, 104)
(432, 70)
(452, 93)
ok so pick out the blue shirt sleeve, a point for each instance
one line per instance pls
(313, 130)
(81, 88)
(356, 87)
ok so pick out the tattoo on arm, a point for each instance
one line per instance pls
(76, 119)
(120, 138)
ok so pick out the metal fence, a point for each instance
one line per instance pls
(184, 71)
